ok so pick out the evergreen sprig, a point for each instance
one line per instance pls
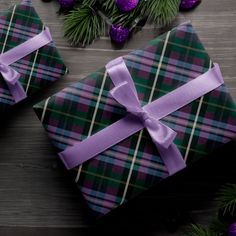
(83, 25)
(218, 226)
(198, 230)
(227, 199)
(163, 12)
(87, 21)
(227, 204)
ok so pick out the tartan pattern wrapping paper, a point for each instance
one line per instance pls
(38, 69)
(128, 168)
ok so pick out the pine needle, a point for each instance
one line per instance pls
(108, 6)
(88, 2)
(198, 230)
(83, 25)
(163, 12)
(227, 199)
(218, 226)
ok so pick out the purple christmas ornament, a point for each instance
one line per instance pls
(126, 5)
(232, 230)
(188, 4)
(119, 34)
(67, 4)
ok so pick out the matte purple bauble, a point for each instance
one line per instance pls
(188, 4)
(126, 5)
(67, 4)
(232, 230)
(119, 34)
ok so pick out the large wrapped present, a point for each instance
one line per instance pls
(124, 128)
(29, 60)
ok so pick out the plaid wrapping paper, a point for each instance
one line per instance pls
(134, 165)
(38, 69)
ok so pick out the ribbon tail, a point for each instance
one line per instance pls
(172, 158)
(161, 134)
(11, 78)
(17, 91)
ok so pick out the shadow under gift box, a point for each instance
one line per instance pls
(177, 200)
(37, 70)
(134, 165)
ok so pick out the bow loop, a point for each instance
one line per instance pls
(10, 75)
(124, 95)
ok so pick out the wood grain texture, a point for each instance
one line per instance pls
(36, 194)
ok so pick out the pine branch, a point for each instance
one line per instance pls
(88, 2)
(128, 19)
(163, 12)
(198, 230)
(108, 6)
(227, 203)
(83, 25)
(219, 227)
(227, 199)
(158, 11)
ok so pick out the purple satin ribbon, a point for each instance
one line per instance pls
(10, 75)
(142, 117)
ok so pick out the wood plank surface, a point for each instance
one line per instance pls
(37, 196)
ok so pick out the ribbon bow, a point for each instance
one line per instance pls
(11, 76)
(142, 117)
(162, 136)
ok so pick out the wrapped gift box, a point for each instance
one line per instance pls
(36, 70)
(124, 170)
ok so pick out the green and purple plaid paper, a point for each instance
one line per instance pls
(134, 165)
(38, 69)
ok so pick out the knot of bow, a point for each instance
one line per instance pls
(161, 134)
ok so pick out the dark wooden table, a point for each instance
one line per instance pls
(37, 196)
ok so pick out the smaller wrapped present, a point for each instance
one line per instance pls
(142, 118)
(29, 60)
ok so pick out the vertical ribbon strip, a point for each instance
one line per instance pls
(10, 75)
(126, 94)
(142, 117)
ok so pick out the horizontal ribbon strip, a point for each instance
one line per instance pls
(139, 117)
(10, 75)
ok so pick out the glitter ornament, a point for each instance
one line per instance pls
(119, 34)
(188, 4)
(67, 4)
(126, 5)
(232, 230)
